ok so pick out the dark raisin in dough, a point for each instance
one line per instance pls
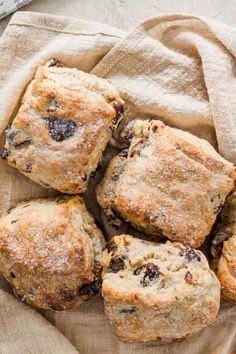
(151, 273)
(57, 63)
(90, 289)
(189, 254)
(129, 310)
(119, 108)
(4, 154)
(116, 264)
(60, 128)
(10, 134)
(28, 168)
(188, 277)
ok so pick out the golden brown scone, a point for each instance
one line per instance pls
(157, 291)
(224, 249)
(50, 251)
(168, 183)
(62, 127)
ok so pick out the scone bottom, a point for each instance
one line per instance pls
(50, 252)
(163, 292)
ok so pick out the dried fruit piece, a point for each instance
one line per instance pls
(90, 289)
(15, 138)
(119, 108)
(189, 254)
(129, 310)
(10, 134)
(28, 168)
(151, 273)
(55, 62)
(116, 264)
(4, 154)
(119, 111)
(188, 277)
(60, 128)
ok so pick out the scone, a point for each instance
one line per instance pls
(157, 291)
(224, 249)
(63, 125)
(50, 251)
(168, 183)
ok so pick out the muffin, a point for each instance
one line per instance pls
(50, 251)
(168, 183)
(156, 291)
(62, 127)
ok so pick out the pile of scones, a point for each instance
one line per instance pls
(167, 184)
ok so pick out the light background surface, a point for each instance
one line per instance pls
(126, 13)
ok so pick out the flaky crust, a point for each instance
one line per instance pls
(157, 291)
(225, 236)
(63, 125)
(50, 251)
(169, 183)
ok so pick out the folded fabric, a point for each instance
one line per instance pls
(180, 68)
(9, 6)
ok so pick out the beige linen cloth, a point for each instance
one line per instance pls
(178, 67)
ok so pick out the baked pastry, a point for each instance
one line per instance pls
(224, 248)
(168, 183)
(157, 291)
(50, 251)
(64, 123)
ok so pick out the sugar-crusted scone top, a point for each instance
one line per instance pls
(50, 251)
(157, 291)
(169, 182)
(62, 127)
(153, 274)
